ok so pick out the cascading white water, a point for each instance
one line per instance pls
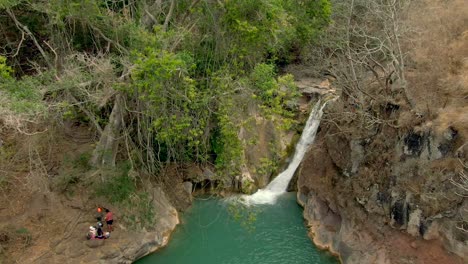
(278, 186)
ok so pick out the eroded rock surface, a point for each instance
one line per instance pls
(358, 196)
(124, 245)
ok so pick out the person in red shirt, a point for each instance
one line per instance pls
(109, 220)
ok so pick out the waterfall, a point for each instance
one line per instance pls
(280, 183)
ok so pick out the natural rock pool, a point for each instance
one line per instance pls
(215, 231)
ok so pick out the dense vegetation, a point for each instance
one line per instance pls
(159, 82)
(181, 68)
(105, 98)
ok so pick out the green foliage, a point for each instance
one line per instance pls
(5, 70)
(3, 182)
(72, 172)
(65, 182)
(225, 140)
(137, 209)
(82, 161)
(22, 230)
(24, 96)
(119, 188)
(175, 105)
(24, 235)
(9, 3)
(185, 87)
(227, 145)
(247, 187)
(267, 166)
(263, 79)
(258, 26)
(271, 27)
(92, 24)
(310, 17)
(273, 93)
(245, 215)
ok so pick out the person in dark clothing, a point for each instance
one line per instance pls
(99, 233)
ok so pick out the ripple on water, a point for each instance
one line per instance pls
(218, 232)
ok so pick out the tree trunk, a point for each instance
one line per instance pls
(106, 150)
(169, 15)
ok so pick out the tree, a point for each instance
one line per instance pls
(149, 75)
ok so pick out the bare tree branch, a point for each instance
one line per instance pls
(25, 29)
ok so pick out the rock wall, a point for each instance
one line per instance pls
(265, 148)
(360, 191)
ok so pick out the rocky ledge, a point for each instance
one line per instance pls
(124, 246)
(357, 211)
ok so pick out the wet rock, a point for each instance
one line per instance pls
(422, 228)
(301, 198)
(264, 142)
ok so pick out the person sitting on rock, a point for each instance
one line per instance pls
(92, 233)
(99, 233)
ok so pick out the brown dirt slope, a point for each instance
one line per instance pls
(47, 203)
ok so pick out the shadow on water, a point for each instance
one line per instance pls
(216, 231)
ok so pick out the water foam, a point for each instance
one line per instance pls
(278, 186)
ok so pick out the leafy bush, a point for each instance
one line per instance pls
(136, 206)
(273, 93)
(5, 70)
(117, 189)
(64, 182)
(175, 106)
(72, 172)
(24, 96)
(82, 161)
(183, 83)
(226, 143)
(139, 211)
(24, 236)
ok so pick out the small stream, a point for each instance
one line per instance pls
(215, 231)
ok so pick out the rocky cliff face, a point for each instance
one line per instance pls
(363, 189)
(358, 193)
(382, 182)
(265, 147)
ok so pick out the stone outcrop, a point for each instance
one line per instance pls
(358, 192)
(124, 245)
(264, 147)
